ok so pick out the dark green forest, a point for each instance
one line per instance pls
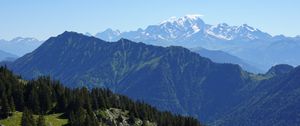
(44, 96)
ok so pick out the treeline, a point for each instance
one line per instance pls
(45, 96)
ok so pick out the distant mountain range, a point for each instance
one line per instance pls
(5, 56)
(243, 41)
(19, 46)
(186, 28)
(223, 57)
(171, 78)
(258, 50)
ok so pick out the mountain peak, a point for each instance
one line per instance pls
(190, 18)
(109, 30)
(175, 28)
(249, 28)
(280, 69)
(193, 16)
(123, 40)
(109, 35)
(69, 33)
(88, 34)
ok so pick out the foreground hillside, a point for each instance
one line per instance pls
(51, 120)
(50, 101)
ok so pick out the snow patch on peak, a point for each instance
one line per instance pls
(174, 27)
(193, 16)
(243, 32)
(183, 19)
(171, 20)
(219, 35)
(195, 28)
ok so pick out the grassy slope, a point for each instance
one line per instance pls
(51, 120)
(54, 120)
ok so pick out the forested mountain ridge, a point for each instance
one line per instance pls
(80, 106)
(171, 78)
(274, 101)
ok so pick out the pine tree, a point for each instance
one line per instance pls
(12, 105)
(27, 118)
(44, 96)
(41, 121)
(33, 101)
(131, 119)
(88, 121)
(19, 99)
(72, 119)
(5, 108)
(61, 103)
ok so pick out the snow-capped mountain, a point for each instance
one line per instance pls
(176, 28)
(242, 41)
(187, 27)
(244, 32)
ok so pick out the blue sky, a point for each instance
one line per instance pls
(45, 18)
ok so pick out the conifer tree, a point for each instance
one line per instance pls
(19, 98)
(41, 121)
(27, 118)
(12, 105)
(72, 119)
(88, 121)
(33, 101)
(131, 119)
(5, 108)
